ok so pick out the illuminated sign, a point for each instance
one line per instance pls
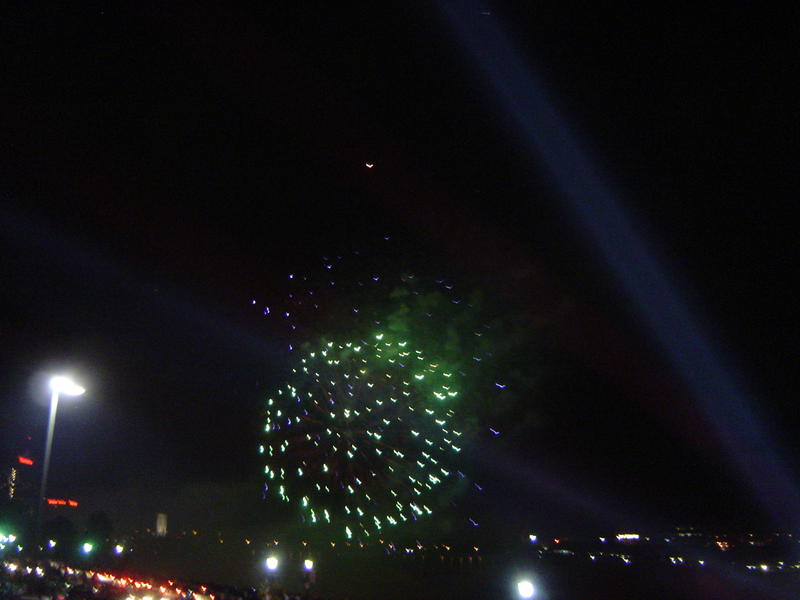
(24, 461)
(61, 502)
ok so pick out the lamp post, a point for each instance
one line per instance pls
(272, 575)
(58, 385)
(308, 576)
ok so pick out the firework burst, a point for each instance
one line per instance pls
(364, 436)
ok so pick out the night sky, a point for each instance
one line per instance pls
(164, 164)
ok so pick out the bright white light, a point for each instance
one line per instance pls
(627, 536)
(764, 567)
(118, 549)
(272, 563)
(308, 564)
(65, 385)
(51, 543)
(532, 538)
(525, 589)
(87, 547)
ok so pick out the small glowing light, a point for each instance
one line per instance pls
(308, 564)
(532, 538)
(525, 589)
(51, 543)
(272, 563)
(764, 568)
(118, 549)
(369, 165)
(87, 547)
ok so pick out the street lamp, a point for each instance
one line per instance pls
(309, 577)
(525, 589)
(272, 573)
(58, 385)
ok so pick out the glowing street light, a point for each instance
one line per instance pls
(118, 549)
(272, 563)
(58, 385)
(87, 547)
(64, 385)
(525, 589)
(309, 576)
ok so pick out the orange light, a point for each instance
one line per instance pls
(62, 502)
(24, 461)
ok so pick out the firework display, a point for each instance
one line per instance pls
(364, 435)
(390, 378)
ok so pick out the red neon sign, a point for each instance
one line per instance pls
(24, 461)
(61, 502)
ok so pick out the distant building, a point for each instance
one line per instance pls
(161, 524)
(11, 483)
(18, 479)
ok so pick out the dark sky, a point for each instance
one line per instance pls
(162, 164)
